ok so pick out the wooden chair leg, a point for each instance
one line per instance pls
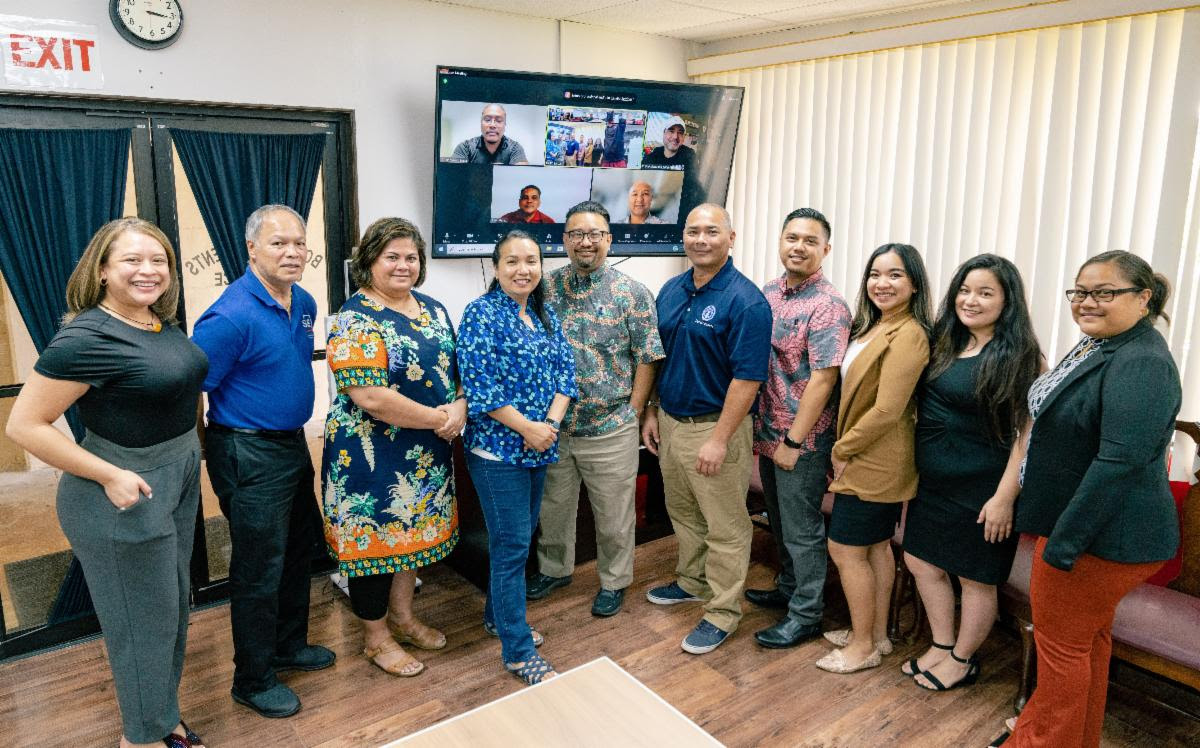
(903, 579)
(1028, 666)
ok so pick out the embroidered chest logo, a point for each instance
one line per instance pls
(709, 312)
(307, 323)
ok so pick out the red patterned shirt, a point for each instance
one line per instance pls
(810, 330)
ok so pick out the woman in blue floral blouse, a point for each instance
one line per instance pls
(518, 373)
(387, 468)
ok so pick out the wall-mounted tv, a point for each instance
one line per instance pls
(517, 150)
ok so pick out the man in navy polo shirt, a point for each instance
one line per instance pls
(259, 340)
(716, 329)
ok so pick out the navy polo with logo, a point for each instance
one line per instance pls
(712, 335)
(259, 357)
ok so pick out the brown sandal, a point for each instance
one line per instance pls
(396, 668)
(418, 635)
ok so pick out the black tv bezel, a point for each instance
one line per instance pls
(614, 250)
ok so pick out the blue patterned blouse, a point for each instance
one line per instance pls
(503, 362)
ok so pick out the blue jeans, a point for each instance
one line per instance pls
(511, 498)
(793, 500)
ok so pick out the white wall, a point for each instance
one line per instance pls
(377, 58)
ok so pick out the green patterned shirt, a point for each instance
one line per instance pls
(611, 323)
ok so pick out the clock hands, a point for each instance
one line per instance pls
(160, 15)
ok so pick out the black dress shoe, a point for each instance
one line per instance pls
(277, 701)
(312, 657)
(539, 585)
(607, 602)
(787, 633)
(768, 598)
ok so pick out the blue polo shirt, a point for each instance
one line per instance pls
(712, 335)
(259, 359)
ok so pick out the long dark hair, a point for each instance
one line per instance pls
(1138, 272)
(1008, 364)
(537, 297)
(867, 314)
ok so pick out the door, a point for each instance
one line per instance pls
(41, 600)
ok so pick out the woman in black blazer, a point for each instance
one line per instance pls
(1095, 490)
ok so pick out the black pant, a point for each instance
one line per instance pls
(265, 486)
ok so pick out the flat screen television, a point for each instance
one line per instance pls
(517, 150)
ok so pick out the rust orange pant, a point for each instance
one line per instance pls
(1072, 625)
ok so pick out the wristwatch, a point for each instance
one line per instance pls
(793, 444)
(555, 423)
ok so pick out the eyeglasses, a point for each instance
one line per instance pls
(596, 235)
(1103, 295)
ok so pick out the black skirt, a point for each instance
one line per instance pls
(862, 523)
(945, 534)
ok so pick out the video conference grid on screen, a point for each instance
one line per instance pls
(519, 149)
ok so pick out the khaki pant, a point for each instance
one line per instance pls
(608, 466)
(709, 516)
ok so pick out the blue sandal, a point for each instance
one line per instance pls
(533, 671)
(538, 639)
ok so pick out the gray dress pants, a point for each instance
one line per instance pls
(136, 563)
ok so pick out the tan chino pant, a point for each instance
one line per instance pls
(709, 515)
(608, 466)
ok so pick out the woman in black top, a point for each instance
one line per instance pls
(128, 496)
(1095, 490)
(972, 406)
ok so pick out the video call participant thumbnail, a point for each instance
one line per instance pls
(527, 212)
(641, 197)
(672, 154)
(614, 143)
(492, 146)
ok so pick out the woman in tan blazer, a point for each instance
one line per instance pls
(874, 463)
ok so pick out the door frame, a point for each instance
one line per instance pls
(156, 203)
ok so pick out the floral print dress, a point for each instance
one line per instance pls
(388, 492)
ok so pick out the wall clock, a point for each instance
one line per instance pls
(149, 24)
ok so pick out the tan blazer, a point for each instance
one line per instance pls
(877, 417)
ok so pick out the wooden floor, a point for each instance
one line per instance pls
(742, 694)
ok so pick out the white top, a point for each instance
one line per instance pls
(852, 352)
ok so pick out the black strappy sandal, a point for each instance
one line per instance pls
(533, 671)
(911, 668)
(971, 676)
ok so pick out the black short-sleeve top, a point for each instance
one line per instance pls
(143, 384)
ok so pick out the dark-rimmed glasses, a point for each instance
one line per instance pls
(1102, 295)
(596, 235)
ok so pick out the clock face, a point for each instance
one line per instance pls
(149, 23)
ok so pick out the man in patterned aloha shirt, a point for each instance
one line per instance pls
(611, 323)
(793, 429)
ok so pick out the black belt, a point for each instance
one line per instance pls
(264, 433)
(702, 418)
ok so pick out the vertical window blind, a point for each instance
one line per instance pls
(1045, 146)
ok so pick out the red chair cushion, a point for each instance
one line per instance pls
(1171, 569)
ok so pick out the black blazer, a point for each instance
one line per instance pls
(1096, 472)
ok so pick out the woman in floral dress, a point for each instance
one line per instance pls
(387, 468)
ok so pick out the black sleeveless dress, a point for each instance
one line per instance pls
(960, 467)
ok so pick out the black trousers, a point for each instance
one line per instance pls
(265, 487)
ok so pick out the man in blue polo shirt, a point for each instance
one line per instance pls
(716, 330)
(259, 339)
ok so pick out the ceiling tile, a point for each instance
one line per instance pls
(724, 29)
(752, 7)
(666, 17)
(841, 10)
(539, 8)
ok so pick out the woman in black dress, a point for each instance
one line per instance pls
(972, 408)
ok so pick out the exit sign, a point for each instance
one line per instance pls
(49, 53)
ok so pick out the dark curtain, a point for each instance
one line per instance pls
(233, 174)
(56, 188)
